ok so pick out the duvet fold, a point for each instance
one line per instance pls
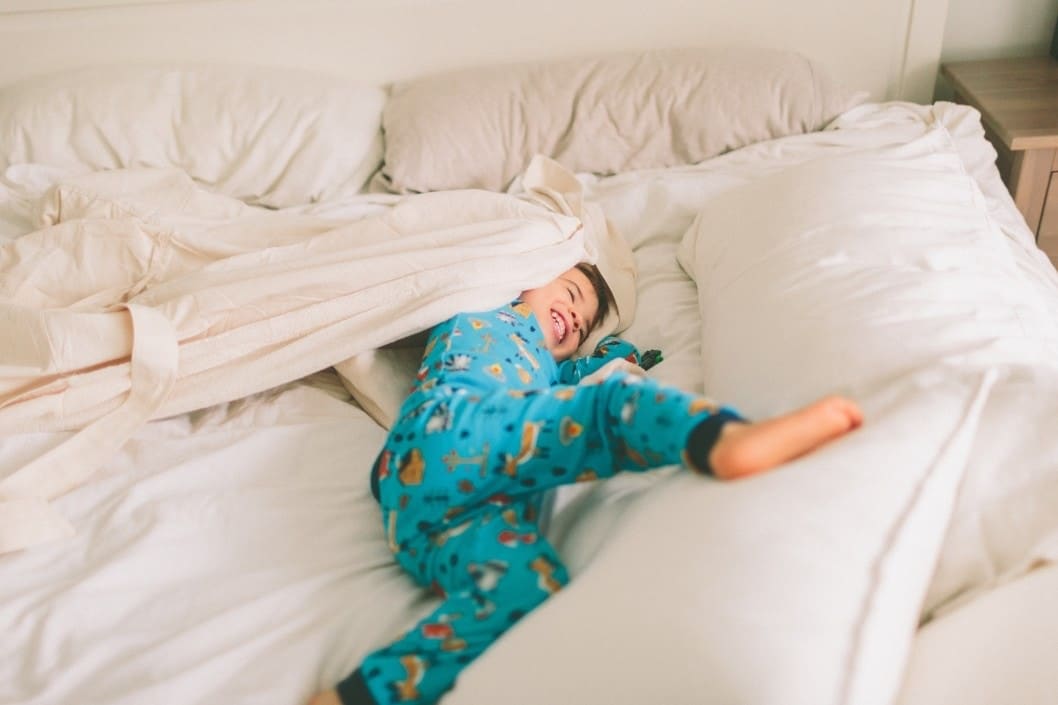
(146, 297)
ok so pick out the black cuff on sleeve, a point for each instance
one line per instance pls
(374, 482)
(703, 438)
(353, 690)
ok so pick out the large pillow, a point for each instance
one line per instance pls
(800, 586)
(268, 136)
(857, 269)
(479, 128)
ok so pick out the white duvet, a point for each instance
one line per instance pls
(234, 554)
(147, 296)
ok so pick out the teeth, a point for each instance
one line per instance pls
(560, 326)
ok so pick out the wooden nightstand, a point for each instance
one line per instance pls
(1018, 100)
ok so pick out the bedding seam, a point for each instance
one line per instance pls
(893, 536)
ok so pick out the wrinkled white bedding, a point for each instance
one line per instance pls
(234, 553)
(145, 296)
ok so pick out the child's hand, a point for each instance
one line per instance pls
(606, 371)
(650, 358)
(609, 349)
(327, 697)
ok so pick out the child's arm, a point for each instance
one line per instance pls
(609, 348)
(740, 449)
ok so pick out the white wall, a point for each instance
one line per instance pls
(973, 29)
(987, 29)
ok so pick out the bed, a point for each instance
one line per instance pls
(196, 525)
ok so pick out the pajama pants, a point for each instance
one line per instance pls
(460, 487)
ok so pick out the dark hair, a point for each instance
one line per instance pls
(602, 292)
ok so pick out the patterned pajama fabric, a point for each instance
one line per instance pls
(493, 422)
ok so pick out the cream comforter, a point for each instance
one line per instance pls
(146, 297)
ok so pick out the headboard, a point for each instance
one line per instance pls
(888, 47)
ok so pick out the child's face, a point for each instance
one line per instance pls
(566, 309)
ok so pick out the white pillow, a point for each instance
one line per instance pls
(801, 586)
(380, 380)
(851, 270)
(268, 136)
(855, 268)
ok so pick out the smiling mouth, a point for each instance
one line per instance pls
(558, 323)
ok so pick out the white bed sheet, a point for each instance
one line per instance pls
(228, 554)
(235, 554)
(1000, 648)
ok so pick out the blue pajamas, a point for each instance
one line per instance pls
(494, 421)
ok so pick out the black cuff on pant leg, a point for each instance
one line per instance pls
(353, 690)
(703, 438)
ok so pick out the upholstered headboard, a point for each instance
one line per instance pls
(887, 47)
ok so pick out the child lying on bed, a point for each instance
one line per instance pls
(496, 418)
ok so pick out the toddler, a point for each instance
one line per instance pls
(496, 417)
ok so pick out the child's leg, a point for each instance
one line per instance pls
(492, 573)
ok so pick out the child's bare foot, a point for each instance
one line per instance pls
(327, 697)
(745, 449)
